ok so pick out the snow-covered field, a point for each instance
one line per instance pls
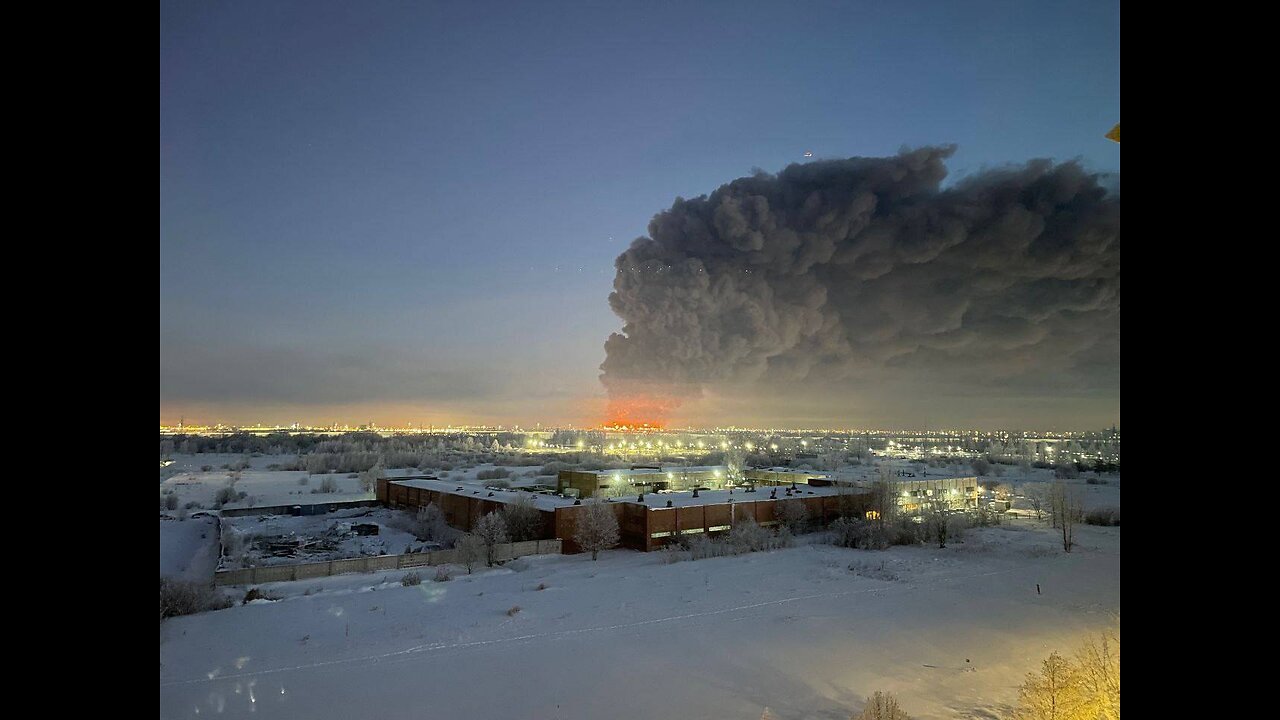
(951, 632)
(264, 487)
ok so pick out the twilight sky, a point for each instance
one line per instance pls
(406, 213)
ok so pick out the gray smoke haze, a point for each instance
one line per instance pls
(863, 271)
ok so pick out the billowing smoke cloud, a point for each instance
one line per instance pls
(863, 271)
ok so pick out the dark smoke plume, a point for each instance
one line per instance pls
(864, 270)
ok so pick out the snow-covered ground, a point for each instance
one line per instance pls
(265, 487)
(188, 548)
(797, 632)
(262, 488)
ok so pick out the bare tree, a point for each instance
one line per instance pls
(1067, 508)
(471, 550)
(1098, 672)
(597, 528)
(523, 519)
(882, 706)
(492, 530)
(1037, 498)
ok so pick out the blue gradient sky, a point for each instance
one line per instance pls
(408, 212)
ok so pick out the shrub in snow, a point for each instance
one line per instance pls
(494, 474)
(882, 706)
(793, 515)
(985, 516)
(256, 594)
(169, 502)
(329, 484)
(304, 480)
(206, 468)
(906, 531)
(597, 528)
(226, 495)
(443, 574)
(875, 571)
(673, 553)
(747, 536)
(854, 533)
(523, 519)
(1107, 517)
(554, 468)
(410, 579)
(471, 550)
(701, 547)
(180, 597)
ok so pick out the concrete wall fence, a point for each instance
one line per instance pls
(380, 563)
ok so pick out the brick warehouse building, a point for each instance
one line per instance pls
(643, 525)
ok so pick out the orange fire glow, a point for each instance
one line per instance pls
(639, 412)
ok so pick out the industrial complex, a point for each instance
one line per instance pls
(655, 504)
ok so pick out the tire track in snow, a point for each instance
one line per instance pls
(434, 647)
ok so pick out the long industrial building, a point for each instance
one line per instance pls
(661, 503)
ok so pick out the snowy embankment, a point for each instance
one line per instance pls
(189, 548)
(951, 632)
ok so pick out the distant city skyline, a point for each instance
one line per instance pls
(411, 214)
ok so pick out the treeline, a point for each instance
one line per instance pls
(289, 443)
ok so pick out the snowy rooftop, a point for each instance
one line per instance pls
(653, 500)
(672, 469)
(712, 497)
(471, 489)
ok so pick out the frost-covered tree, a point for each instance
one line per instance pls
(1051, 694)
(471, 550)
(734, 465)
(942, 525)
(597, 528)
(492, 530)
(882, 706)
(369, 478)
(430, 524)
(523, 519)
